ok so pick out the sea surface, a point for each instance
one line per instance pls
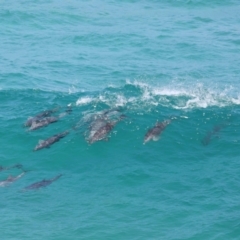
(135, 64)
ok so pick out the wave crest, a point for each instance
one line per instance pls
(138, 94)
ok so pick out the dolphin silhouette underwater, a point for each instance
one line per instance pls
(154, 133)
(7, 168)
(48, 142)
(102, 132)
(213, 133)
(10, 180)
(41, 184)
(39, 117)
(42, 122)
(44, 119)
(100, 128)
(93, 120)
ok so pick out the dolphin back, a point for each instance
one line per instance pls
(42, 183)
(63, 134)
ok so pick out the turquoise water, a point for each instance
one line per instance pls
(151, 60)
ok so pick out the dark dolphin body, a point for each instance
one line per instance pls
(208, 137)
(7, 168)
(100, 128)
(48, 142)
(42, 183)
(97, 118)
(153, 133)
(39, 117)
(97, 124)
(101, 133)
(43, 122)
(44, 119)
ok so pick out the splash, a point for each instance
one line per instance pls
(140, 95)
(84, 100)
(179, 96)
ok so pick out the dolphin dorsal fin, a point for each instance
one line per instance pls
(10, 177)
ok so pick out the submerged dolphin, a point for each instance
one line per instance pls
(10, 180)
(102, 132)
(101, 127)
(42, 183)
(93, 119)
(48, 142)
(43, 119)
(42, 122)
(153, 133)
(216, 129)
(39, 116)
(97, 124)
(7, 168)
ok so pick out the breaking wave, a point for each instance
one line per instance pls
(137, 94)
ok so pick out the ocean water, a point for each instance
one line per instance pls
(150, 61)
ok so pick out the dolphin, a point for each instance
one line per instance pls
(39, 116)
(93, 120)
(7, 168)
(42, 122)
(101, 133)
(10, 180)
(94, 127)
(97, 124)
(216, 129)
(48, 142)
(103, 129)
(42, 183)
(153, 133)
(98, 121)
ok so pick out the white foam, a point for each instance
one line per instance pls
(173, 95)
(185, 96)
(84, 100)
(236, 100)
(169, 92)
(120, 101)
